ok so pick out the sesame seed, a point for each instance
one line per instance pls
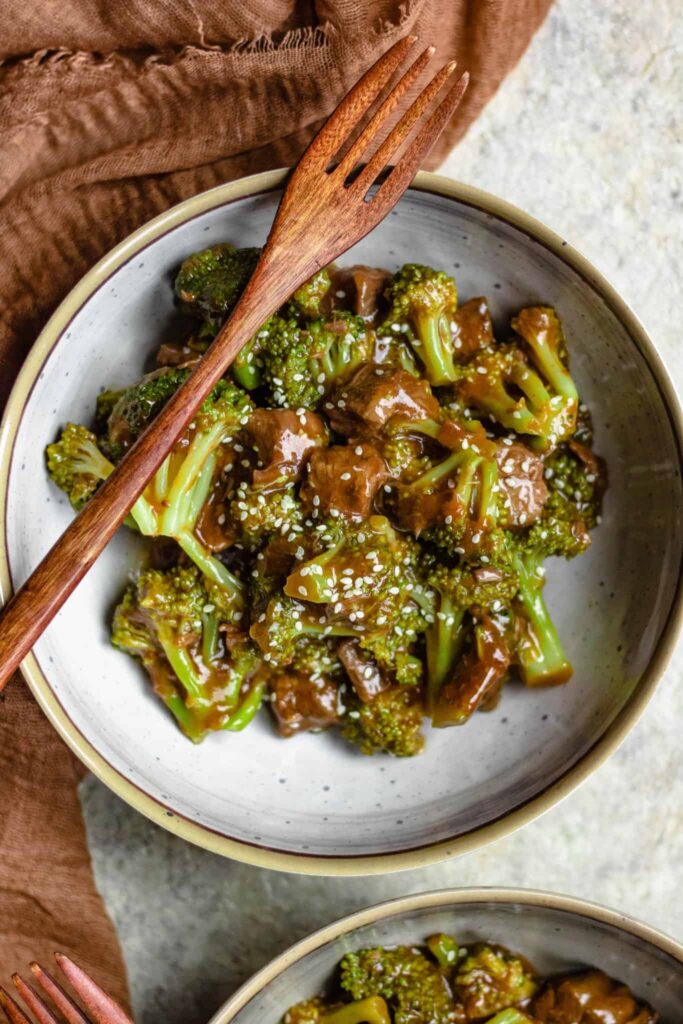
(345, 476)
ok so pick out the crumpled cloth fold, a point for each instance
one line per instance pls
(109, 114)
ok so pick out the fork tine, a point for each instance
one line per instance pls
(12, 1012)
(401, 131)
(407, 167)
(99, 1005)
(356, 151)
(40, 1011)
(61, 1000)
(344, 119)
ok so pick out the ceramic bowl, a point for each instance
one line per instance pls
(555, 933)
(311, 804)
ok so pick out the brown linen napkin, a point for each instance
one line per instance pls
(109, 114)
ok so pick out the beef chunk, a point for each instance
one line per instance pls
(472, 328)
(374, 396)
(523, 487)
(344, 478)
(365, 675)
(283, 439)
(361, 287)
(590, 997)
(301, 703)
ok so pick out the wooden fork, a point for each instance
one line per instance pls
(326, 208)
(100, 1007)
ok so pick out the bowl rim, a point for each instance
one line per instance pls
(238, 849)
(528, 898)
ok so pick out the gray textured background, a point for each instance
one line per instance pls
(587, 135)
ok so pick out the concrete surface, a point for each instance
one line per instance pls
(587, 135)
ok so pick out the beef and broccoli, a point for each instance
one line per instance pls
(445, 983)
(353, 529)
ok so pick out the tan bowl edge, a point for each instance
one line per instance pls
(426, 900)
(199, 834)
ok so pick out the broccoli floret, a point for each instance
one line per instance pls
(390, 723)
(210, 282)
(452, 500)
(455, 591)
(531, 394)
(423, 302)
(393, 649)
(169, 621)
(172, 502)
(316, 657)
(373, 1010)
(541, 331)
(413, 986)
(283, 622)
(307, 299)
(138, 405)
(491, 979)
(309, 1011)
(581, 484)
(301, 366)
(104, 406)
(256, 516)
(340, 344)
(365, 575)
(560, 531)
(281, 354)
(76, 464)
(391, 349)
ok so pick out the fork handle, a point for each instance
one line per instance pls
(36, 603)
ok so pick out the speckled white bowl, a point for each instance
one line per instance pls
(311, 804)
(555, 933)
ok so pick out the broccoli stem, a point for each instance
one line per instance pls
(541, 657)
(550, 364)
(244, 368)
(445, 638)
(188, 491)
(488, 504)
(510, 1016)
(181, 662)
(372, 1010)
(434, 348)
(465, 461)
(210, 566)
(444, 949)
(209, 636)
(426, 428)
(247, 709)
(532, 386)
(184, 717)
(144, 516)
